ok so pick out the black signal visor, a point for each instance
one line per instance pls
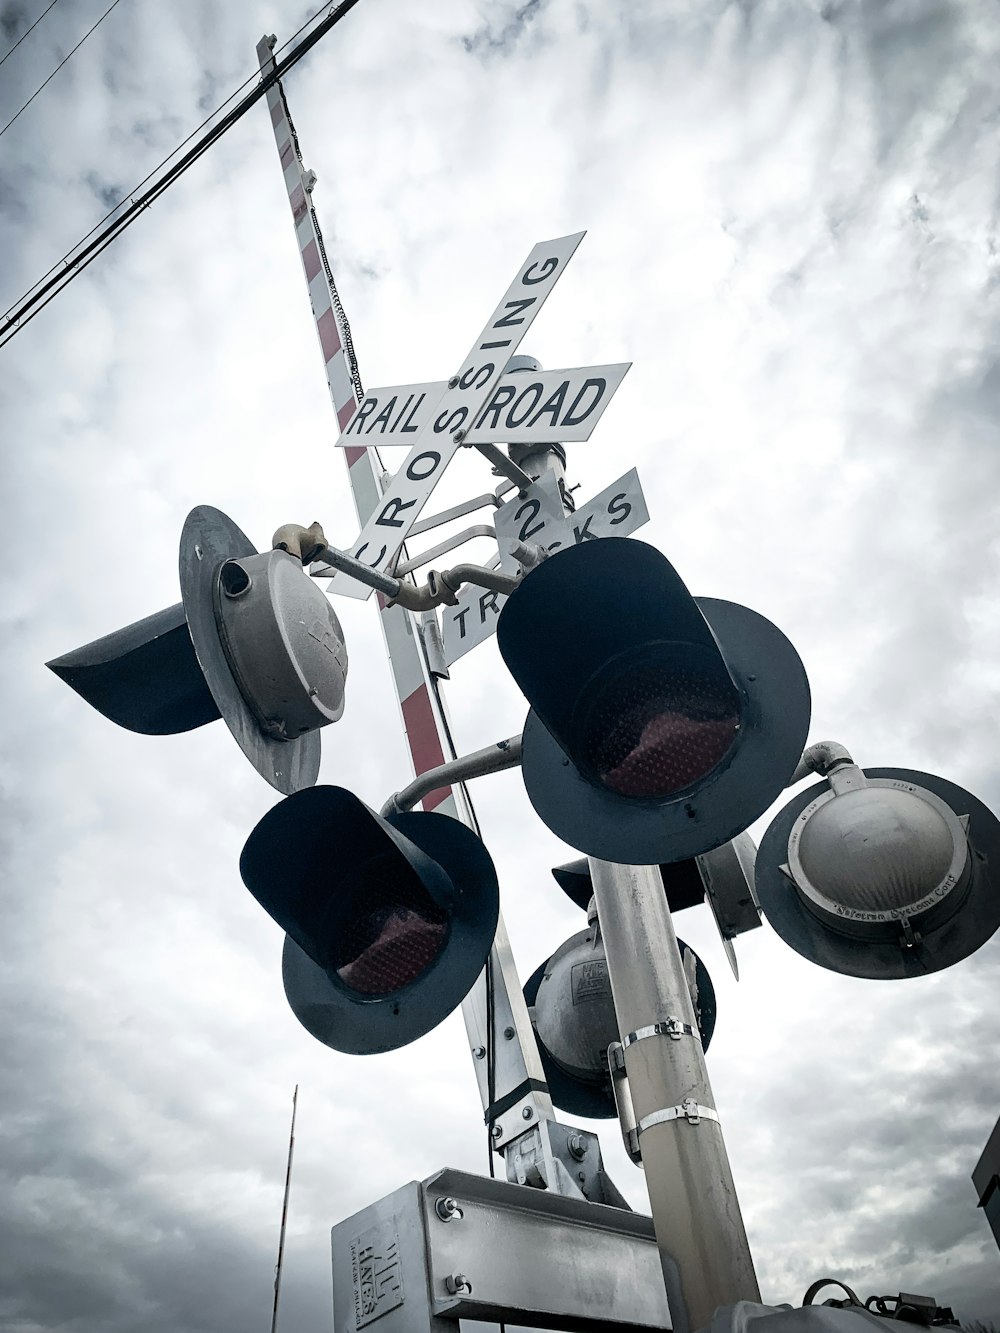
(388, 921)
(621, 667)
(662, 725)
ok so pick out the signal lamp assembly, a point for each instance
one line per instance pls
(388, 921)
(661, 725)
(724, 877)
(881, 872)
(573, 1014)
(254, 641)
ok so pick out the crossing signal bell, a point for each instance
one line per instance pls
(661, 724)
(573, 1015)
(882, 873)
(388, 921)
(254, 641)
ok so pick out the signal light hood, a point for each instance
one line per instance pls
(661, 725)
(367, 902)
(253, 641)
(144, 677)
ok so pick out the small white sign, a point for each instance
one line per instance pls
(543, 407)
(616, 512)
(534, 516)
(434, 445)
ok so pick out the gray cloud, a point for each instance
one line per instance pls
(13, 20)
(498, 37)
(792, 232)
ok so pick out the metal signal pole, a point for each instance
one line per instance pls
(284, 1212)
(670, 1124)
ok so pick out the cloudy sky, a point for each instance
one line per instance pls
(791, 210)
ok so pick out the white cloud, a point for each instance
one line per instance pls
(791, 232)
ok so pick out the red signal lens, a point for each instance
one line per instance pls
(392, 933)
(653, 728)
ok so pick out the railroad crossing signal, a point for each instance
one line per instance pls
(661, 725)
(389, 921)
(253, 641)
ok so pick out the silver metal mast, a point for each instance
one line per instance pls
(699, 1230)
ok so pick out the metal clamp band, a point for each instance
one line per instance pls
(671, 1027)
(688, 1110)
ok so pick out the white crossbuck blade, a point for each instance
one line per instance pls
(544, 407)
(442, 434)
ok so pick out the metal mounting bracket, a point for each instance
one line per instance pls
(503, 467)
(688, 1110)
(449, 544)
(564, 1161)
(493, 759)
(456, 511)
(623, 1101)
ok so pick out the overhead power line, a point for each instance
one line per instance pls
(82, 255)
(29, 30)
(59, 66)
(159, 167)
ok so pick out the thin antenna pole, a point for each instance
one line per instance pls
(284, 1212)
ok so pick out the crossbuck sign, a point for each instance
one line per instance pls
(478, 405)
